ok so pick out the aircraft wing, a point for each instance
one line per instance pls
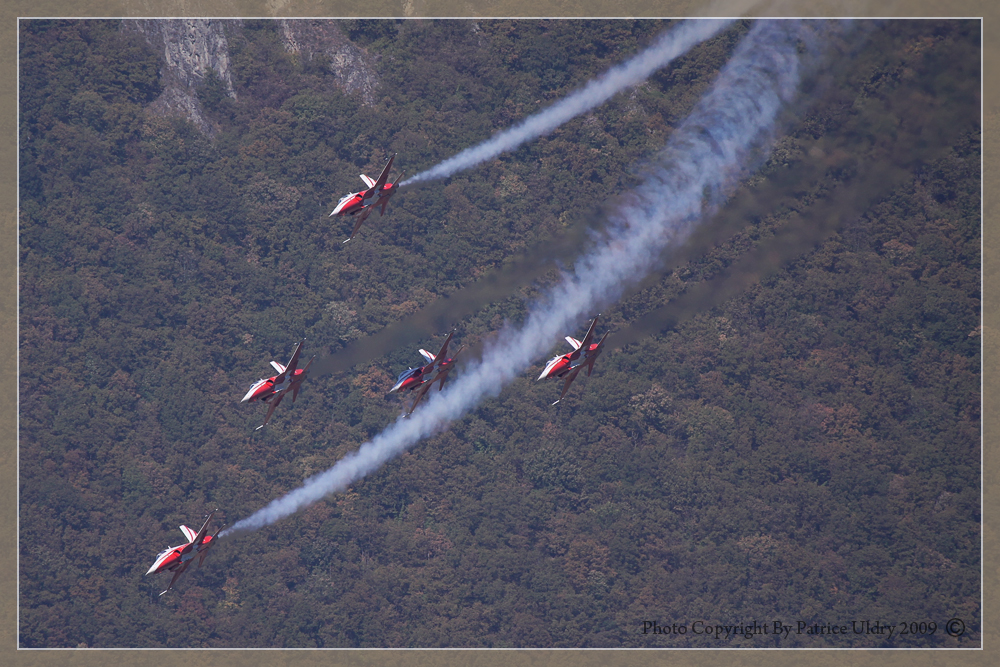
(270, 409)
(590, 333)
(365, 212)
(380, 181)
(569, 380)
(293, 363)
(443, 352)
(177, 575)
(204, 529)
(424, 388)
(443, 374)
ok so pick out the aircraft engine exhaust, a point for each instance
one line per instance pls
(667, 47)
(728, 133)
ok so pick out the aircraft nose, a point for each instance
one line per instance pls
(151, 569)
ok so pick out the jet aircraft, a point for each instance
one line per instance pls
(177, 559)
(443, 368)
(562, 365)
(357, 202)
(412, 378)
(271, 390)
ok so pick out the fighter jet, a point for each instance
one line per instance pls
(562, 365)
(358, 202)
(177, 559)
(271, 390)
(412, 378)
(590, 356)
(443, 368)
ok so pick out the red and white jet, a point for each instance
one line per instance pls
(356, 202)
(412, 378)
(562, 366)
(271, 390)
(177, 559)
(444, 366)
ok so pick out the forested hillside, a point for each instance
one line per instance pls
(787, 428)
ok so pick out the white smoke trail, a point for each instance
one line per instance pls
(670, 45)
(700, 165)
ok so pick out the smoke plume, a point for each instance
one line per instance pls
(726, 135)
(667, 47)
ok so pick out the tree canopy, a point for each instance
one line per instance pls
(799, 441)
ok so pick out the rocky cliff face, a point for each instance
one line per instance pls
(352, 67)
(189, 48)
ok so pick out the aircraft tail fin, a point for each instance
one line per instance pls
(592, 357)
(278, 367)
(383, 200)
(574, 342)
(208, 543)
(428, 356)
(305, 369)
(368, 180)
(444, 374)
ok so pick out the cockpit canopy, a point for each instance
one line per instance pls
(408, 373)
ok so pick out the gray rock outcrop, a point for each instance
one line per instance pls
(189, 48)
(352, 67)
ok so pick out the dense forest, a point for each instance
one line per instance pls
(786, 427)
